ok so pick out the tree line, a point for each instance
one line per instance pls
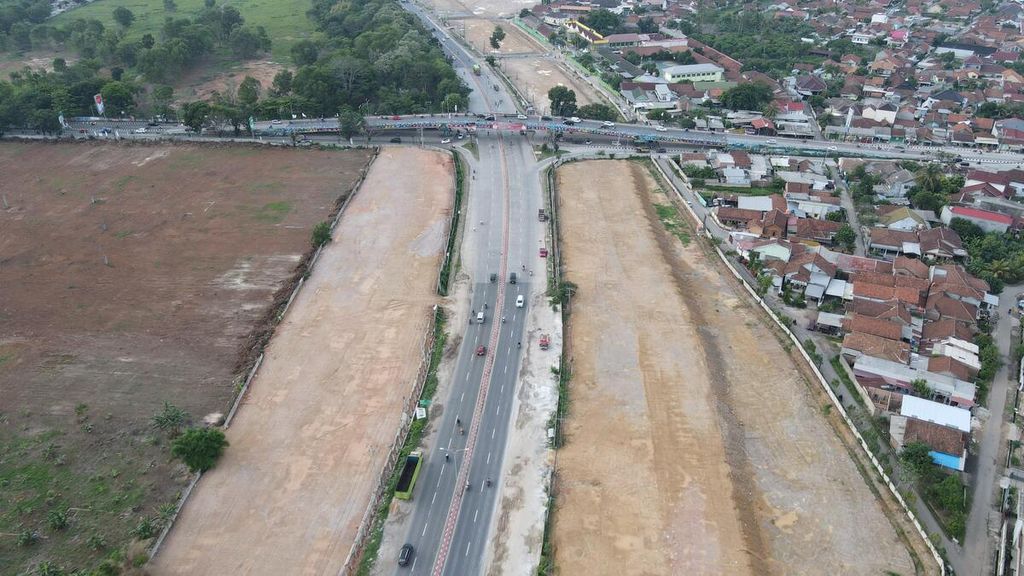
(372, 58)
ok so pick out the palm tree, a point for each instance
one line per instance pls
(930, 178)
(769, 111)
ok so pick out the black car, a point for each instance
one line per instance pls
(490, 118)
(662, 151)
(546, 118)
(396, 140)
(405, 555)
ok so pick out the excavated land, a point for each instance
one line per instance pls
(477, 32)
(313, 433)
(133, 276)
(694, 443)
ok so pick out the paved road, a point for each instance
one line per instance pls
(501, 229)
(976, 554)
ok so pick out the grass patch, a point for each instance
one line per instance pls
(544, 152)
(273, 213)
(286, 22)
(473, 149)
(752, 191)
(413, 440)
(670, 219)
(123, 234)
(446, 266)
(55, 508)
(5, 358)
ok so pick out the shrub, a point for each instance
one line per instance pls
(199, 448)
(321, 234)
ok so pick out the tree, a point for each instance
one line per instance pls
(60, 65)
(497, 36)
(170, 6)
(603, 21)
(563, 101)
(123, 16)
(916, 456)
(321, 234)
(350, 122)
(598, 112)
(199, 448)
(749, 96)
(846, 237)
(147, 41)
(194, 114)
(161, 98)
(282, 83)
(966, 229)
(921, 388)
(249, 93)
(305, 52)
(119, 97)
(524, 13)
(491, 61)
(647, 25)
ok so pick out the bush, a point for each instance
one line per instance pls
(321, 234)
(199, 448)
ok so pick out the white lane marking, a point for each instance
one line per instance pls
(502, 387)
(505, 369)
(497, 410)
(414, 564)
(488, 458)
(493, 432)
(461, 397)
(467, 376)
(424, 533)
(450, 442)
(467, 547)
(432, 498)
(475, 514)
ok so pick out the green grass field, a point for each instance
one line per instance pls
(285, 20)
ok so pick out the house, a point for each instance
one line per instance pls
(693, 73)
(988, 221)
(875, 326)
(944, 429)
(857, 344)
(810, 85)
(813, 230)
(808, 203)
(897, 184)
(896, 377)
(894, 242)
(737, 217)
(904, 266)
(902, 218)
(941, 242)
(939, 306)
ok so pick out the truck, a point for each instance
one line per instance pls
(410, 472)
(541, 215)
(476, 69)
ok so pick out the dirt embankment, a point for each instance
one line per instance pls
(311, 437)
(695, 446)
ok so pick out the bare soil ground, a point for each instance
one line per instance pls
(312, 434)
(536, 76)
(131, 276)
(201, 82)
(478, 34)
(695, 446)
(490, 8)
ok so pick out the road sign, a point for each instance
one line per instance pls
(98, 99)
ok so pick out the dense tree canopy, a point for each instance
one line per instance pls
(749, 96)
(563, 101)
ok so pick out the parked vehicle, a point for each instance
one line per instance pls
(494, 277)
(543, 252)
(545, 341)
(476, 69)
(541, 215)
(512, 278)
(410, 472)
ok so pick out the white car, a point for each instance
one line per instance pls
(833, 148)
(661, 128)
(445, 140)
(520, 301)
(772, 141)
(275, 122)
(608, 124)
(140, 130)
(575, 120)
(521, 117)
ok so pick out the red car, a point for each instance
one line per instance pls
(543, 252)
(481, 350)
(396, 117)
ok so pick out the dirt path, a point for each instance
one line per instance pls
(694, 444)
(311, 437)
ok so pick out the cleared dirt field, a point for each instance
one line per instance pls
(131, 276)
(694, 444)
(478, 34)
(311, 436)
(536, 76)
(492, 8)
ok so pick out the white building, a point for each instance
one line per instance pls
(693, 73)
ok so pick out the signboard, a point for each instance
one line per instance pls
(98, 99)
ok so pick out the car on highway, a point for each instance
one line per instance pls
(662, 150)
(521, 116)
(608, 124)
(275, 122)
(546, 118)
(520, 301)
(396, 140)
(568, 122)
(575, 120)
(396, 117)
(833, 148)
(141, 130)
(405, 555)
(661, 128)
(481, 350)
(445, 140)
(489, 118)
(772, 141)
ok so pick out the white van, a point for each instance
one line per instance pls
(520, 301)
(479, 317)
